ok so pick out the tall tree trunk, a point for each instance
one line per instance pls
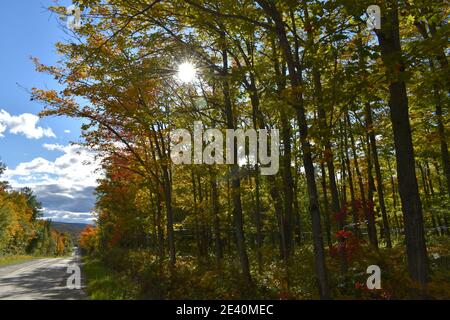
(259, 238)
(424, 184)
(350, 183)
(288, 184)
(379, 178)
(298, 223)
(170, 231)
(235, 179)
(229, 214)
(254, 98)
(215, 209)
(391, 53)
(203, 227)
(442, 59)
(370, 188)
(427, 199)
(297, 102)
(160, 228)
(343, 166)
(164, 153)
(429, 179)
(443, 141)
(196, 215)
(328, 153)
(326, 207)
(362, 190)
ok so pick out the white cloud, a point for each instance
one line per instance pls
(67, 131)
(65, 186)
(53, 146)
(69, 216)
(37, 165)
(24, 124)
(76, 166)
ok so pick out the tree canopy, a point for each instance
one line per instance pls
(363, 116)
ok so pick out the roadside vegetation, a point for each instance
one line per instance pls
(13, 259)
(104, 283)
(121, 273)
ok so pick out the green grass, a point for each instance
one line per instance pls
(9, 260)
(101, 282)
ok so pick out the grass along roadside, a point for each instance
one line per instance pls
(9, 260)
(15, 259)
(103, 283)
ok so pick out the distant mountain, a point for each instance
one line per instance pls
(73, 229)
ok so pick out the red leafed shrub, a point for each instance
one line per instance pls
(343, 235)
(365, 293)
(341, 215)
(347, 245)
(353, 208)
(359, 285)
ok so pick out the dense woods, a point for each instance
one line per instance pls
(21, 230)
(364, 167)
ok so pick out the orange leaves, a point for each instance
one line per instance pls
(58, 104)
(88, 239)
(52, 70)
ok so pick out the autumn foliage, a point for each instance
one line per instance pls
(88, 239)
(364, 161)
(21, 229)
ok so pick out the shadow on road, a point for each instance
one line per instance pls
(47, 281)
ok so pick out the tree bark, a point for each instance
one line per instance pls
(235, 179)
(215, 209)
(379, 178)
(370, 190)
(443, 141)
(391, 53)
(326, 206)
(297, 102)
(371, 236)
(351, 183)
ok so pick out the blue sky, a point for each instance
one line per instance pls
(37, 151)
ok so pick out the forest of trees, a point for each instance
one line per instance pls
(21, 229)
(363, 116)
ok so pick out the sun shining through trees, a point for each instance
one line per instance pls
(186, 72)
(355, 121)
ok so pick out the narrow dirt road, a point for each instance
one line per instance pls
(40, 279)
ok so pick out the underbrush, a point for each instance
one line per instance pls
(103, 283)
(138, 274)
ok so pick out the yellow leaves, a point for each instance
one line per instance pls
(58, 104)
(96, 40)
(16, 225)
(52, 70)
(61, 242)
(77, 74)
(100, 10)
